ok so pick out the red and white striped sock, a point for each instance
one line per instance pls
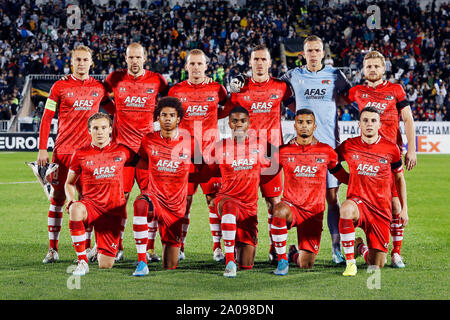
(140, 228)
(347, 233)
(54, 222)
(185, 228)
(228, 224)
(78, 234)
(152, 230)
(279, 236)
(396, 234)
(214, 226)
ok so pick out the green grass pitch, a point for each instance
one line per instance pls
(23, 245)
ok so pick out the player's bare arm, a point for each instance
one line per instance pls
(408, 120)
(400, 184)
(70, 189)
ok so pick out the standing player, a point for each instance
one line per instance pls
(372, 160)
(262, 96)
(135, 91)
(76, 99)
(98, 167)
(390, 100)
(238, 160)
(200, 102)
(169, 154)
(319, 88)
(305, 163)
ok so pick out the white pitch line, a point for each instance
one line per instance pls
(19, 182)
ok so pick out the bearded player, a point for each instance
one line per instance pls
(390, 100)
(372, 160)
(76, 99)
(201, 100)
(135, 91)
(262, 95)
(305, 164)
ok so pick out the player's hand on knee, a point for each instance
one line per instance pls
(237, 83)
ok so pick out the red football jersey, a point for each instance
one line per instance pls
(201, 107)
(135, 101)
(263, 102)
(240, 168)
(169, 164)
(305, 173)
(100, 173)
(76, 100)
(389, 98)
(370, 167)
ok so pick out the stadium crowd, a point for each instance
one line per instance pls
(35, 40)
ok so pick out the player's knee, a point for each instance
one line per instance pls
(105, 262)
(347, 211)
(77, 211)
(280, 210)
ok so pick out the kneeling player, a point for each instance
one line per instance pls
(99, 169)
(238, 160)
(305, 163)
(371, 159)
(168, 154)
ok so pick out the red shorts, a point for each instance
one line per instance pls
(274, 187)
(210, 187)
(58, 178)
(132, 173)
(376, 228)
(246, 223)
(170, 224)
(107, 228)
(309, 227)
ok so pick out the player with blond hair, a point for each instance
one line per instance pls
(76, 99)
